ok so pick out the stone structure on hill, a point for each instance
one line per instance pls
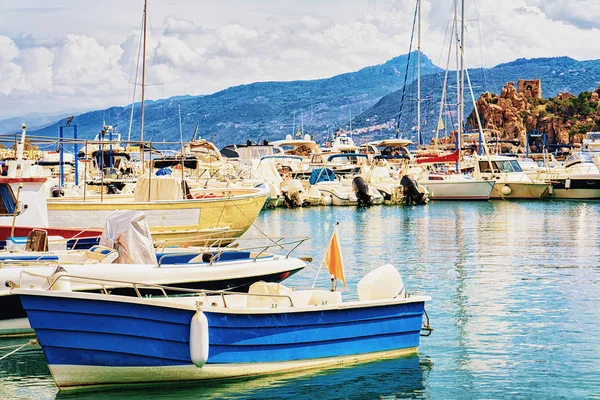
(530, 88)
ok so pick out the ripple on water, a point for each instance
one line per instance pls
(516, 301)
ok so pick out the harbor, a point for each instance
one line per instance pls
(295, 201)
(513, 305)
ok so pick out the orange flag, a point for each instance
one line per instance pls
(333, 258)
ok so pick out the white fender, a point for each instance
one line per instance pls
(568, 183)
(506, 190)
(199, 339)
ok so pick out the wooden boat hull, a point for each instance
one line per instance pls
(91, 339)
(199, 221)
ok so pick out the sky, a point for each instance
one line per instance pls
(81, 54)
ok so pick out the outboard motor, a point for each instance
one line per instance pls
(362, 192)
(411, 191)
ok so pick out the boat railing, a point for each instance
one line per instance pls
(13, 262)
(259, 250)
(106, 285)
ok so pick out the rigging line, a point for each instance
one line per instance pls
(251, 221)
(137, 66)
(412, 35)
(155, 56)
(485, 70)
(438, 74)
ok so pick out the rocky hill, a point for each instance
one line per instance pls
(565, 118)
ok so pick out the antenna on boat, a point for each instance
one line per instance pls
(195, 132)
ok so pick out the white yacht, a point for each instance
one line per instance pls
(510, 182)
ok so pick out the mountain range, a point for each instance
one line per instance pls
(370, 96)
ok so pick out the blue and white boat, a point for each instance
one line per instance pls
(103, 339)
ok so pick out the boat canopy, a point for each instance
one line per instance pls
(166, 187)
(321, 175)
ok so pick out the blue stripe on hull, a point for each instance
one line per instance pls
(110, 333)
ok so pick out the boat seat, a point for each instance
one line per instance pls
(269, 295)
(323, 297)
(100, 255)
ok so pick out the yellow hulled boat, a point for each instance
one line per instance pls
(201, 217)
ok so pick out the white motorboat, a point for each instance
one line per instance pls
(510, 182)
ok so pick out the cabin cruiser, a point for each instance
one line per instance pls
(304, 147)
(342, 144)
(394, 151)
(591, 144)
(510, 182)
(577, 178)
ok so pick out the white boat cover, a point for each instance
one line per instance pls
(267, 171)
(158, 188)
(128, 232)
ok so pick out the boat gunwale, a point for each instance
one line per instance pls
(166, 303)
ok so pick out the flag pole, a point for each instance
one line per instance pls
(323, 261)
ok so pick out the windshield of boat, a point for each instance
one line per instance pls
(503, 166)
(395, 152)
(575, 158)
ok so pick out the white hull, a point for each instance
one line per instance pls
(73, 376)
(575, 194)
(458, 190)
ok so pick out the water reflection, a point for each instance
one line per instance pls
(403, 378)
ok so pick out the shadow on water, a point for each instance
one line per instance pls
(403, 378)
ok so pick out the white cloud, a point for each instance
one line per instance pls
(201, 49)
(180, 27)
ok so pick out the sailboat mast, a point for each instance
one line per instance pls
(419, 139)
(143, 70)
(462, 61)
(458, 87)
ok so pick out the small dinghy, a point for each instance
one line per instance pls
(104, 339)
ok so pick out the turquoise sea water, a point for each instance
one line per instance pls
(516, 305)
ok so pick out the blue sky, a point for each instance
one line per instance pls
(80, 54)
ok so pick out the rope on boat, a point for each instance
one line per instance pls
(32, 342)
(252, 222)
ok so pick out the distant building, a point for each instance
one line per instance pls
(530, 88)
